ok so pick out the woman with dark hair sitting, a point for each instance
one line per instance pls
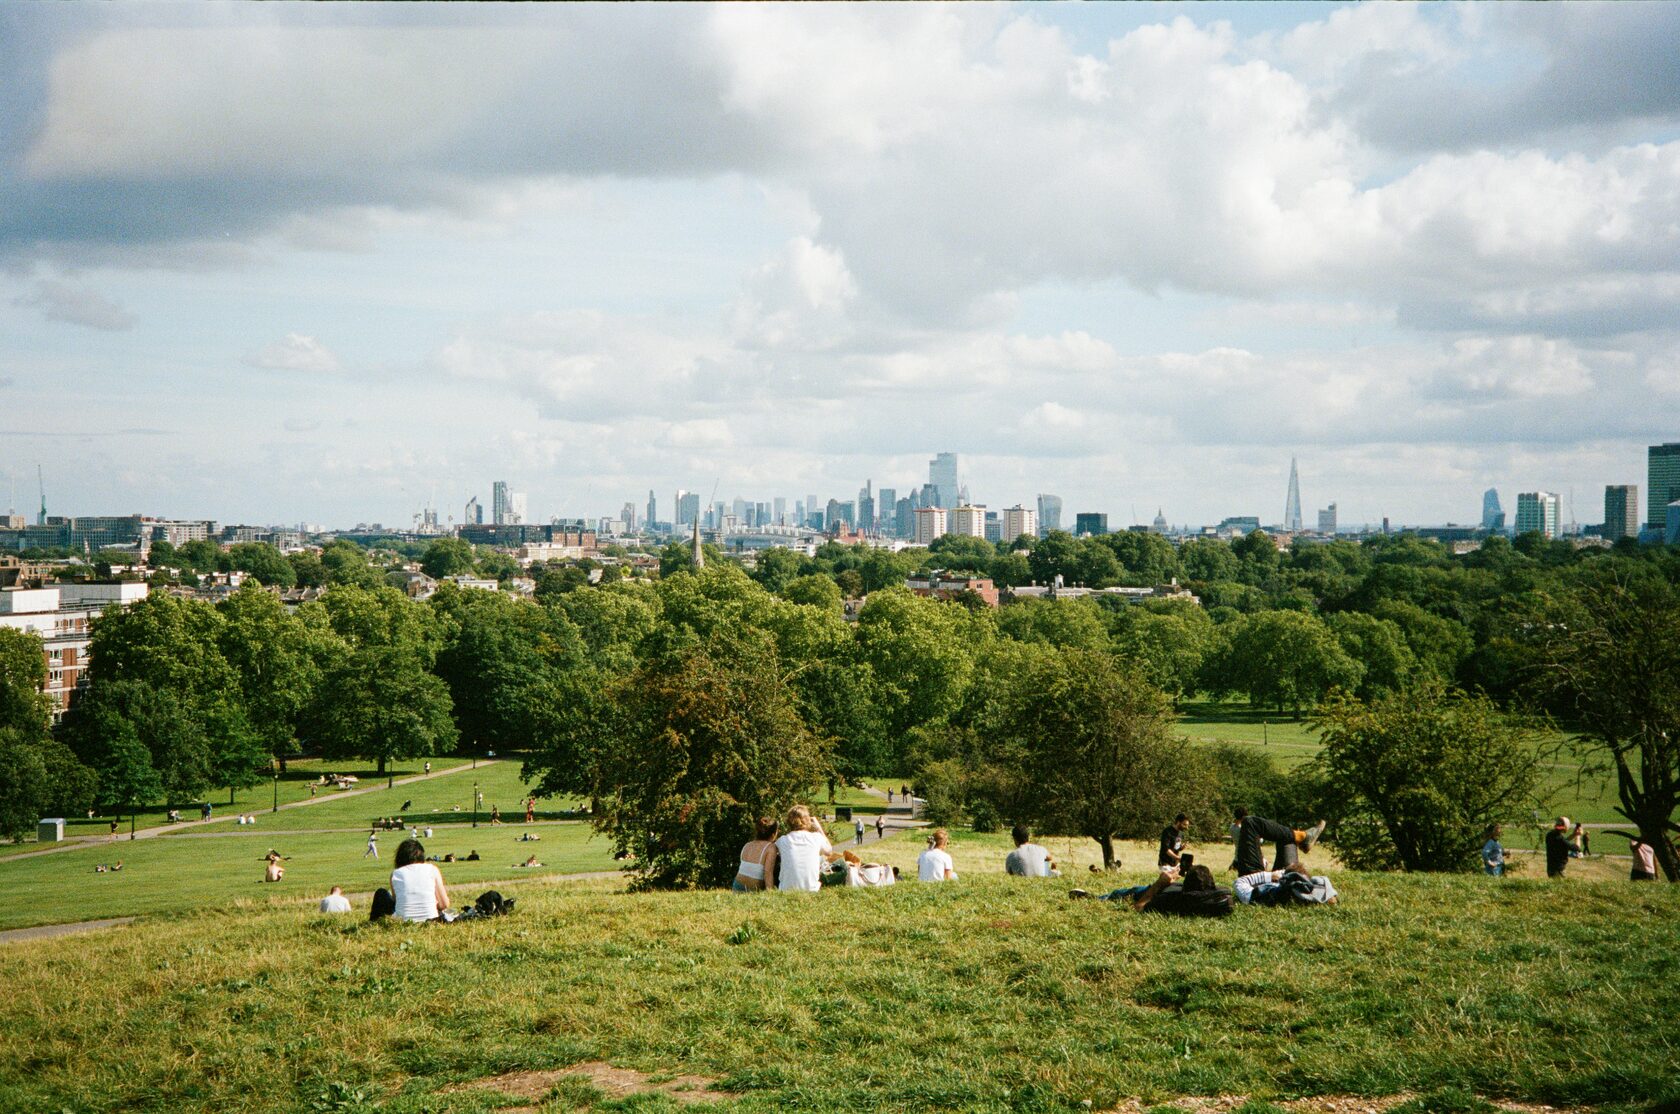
(417, 891)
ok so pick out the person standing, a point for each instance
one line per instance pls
(1172, 843)
(857, 828)
(1644, 861)
(1493, 853)
(373, 842)
(1557, 848)
(880, 827)
(428, 766)
(530, 809)
(935, 863)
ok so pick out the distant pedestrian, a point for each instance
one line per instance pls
(495, 816)
(1557, 848)
(530, 810)
(880, 827)
(1581, 840)
(428, 767)
(204, 811)
(373, 844)
(312, 794)
(857, 826)
(1493, 853)
(113, 830)
(889, 796)
(1644, 861)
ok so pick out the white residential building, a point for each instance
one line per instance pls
(1018, 520)
(930, 524)
(968, 520)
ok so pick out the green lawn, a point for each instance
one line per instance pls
(187, 871)
(992, 995)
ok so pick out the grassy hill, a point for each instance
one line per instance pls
(991, 994)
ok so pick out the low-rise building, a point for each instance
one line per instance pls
(945, 586)
(61, 616)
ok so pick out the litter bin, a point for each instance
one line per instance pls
(842, 812)
(50, 831)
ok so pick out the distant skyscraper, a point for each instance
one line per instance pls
(628, 514)
(930, 524)
(1537, 511)
(1662, 482)
(1089, 524)
(1292, 506)
(1493, 515)
(1621, 511)
(942, 475)
(779, 510)
(500, 507)
(688, 507)
(1327, 520)
(1049, 513)
(886, 510)
(866, 506)
(1016, 521)
(474, 514)
(652, 510)
(904, 517)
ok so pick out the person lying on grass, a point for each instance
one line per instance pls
(1194, 894)
(1251, 831)
(1290, 886)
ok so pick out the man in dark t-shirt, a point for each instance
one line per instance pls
(1557, 848)
(1172, 842)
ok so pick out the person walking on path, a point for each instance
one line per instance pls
(1493, 853)
(1557, 848)
(530, 810)
(889, 797)
(373, 843)
(880, 827)
(428, 766)
(857, 827)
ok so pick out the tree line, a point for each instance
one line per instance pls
(686, 705)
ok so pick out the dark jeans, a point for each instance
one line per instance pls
(1254, 831)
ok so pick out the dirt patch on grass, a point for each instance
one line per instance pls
(613, 1083)
(1320, 1104)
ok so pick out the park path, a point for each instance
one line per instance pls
(903, 820)
(190, 825)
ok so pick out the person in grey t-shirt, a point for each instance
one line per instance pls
(1029, 860)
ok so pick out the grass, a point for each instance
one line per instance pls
(187, 872)
(992, 995)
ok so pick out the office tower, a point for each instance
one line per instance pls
(628, 514)
(866, 506)
(942, 477)
(1292, 505)
(517, 512)
(1049, 513)
(1327, 520)
(812, 509)
(966, 520)
(688, 507)
(799, 512)
(761, 514)
(499, 506)
(904, 517)
(1662, 482)
(1537, 511)
(474, 514)
(1671, 532)
(930, 524)
(1493, 515)
(1089, 524)
(1621, 511)
(1016, 521)
(886, 509)
(778, 508)
(653, 509)
(994, 527)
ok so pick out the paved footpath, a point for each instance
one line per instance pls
(190, 825)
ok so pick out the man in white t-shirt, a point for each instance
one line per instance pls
(935, 863)
(802, 851)
(335, 902)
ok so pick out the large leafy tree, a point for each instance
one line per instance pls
(1607, 655)
(922, 654)
(1415, 777)
(1281, 658)
(1167, 643)
(447, 557)
(699, 742)
(264, 562)
(38, 775)
(276, 658)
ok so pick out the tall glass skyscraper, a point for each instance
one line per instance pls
(1493, 515)
(1621, 511)
(1663, 483)
(1292, 505)
(1049, 513)
(942, 475)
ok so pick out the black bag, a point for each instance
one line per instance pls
(493, 904)
(1174, 901)
(384, 904)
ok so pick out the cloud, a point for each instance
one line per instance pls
(77, 305)
(294, 352)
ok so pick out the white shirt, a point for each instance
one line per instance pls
(1249, 883)
(335, 903)
(802, 860)
(933, 864)
(415, 888)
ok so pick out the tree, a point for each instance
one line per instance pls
(921, 652)
(1148, 559)
(202, 555)
(307, 570)
(346, 562)
(1168, 644)
(1379, 646)
(961, 553)
(699, 744)
(776, 568)
(264, 562)
(275, 658)
(1208, 559)
(1094, 740)
(38, 775)
(816, 591)
(1053, 556)
(1279, 658)
(1415, 778)
(1606, 654)
(1059, 622)
(447, 557)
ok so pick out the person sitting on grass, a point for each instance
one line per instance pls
(1290, 886)
(532, 861)
(335, 901)
(1252, 831)
(801, 852)
(417, 892)
(274, 871)
(935, 864)
(756, 868)
(1195, 894)
(1029, 860)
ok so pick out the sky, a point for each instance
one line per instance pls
(332, 263)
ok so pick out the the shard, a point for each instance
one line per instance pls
(1292, 509)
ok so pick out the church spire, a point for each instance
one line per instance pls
(698, 556)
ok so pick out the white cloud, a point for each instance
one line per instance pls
(294, 352)
(76, 305)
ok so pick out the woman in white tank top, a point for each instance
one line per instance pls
(417, 885)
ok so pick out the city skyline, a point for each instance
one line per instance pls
(1137, 256)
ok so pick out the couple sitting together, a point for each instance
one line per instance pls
(800, 858)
